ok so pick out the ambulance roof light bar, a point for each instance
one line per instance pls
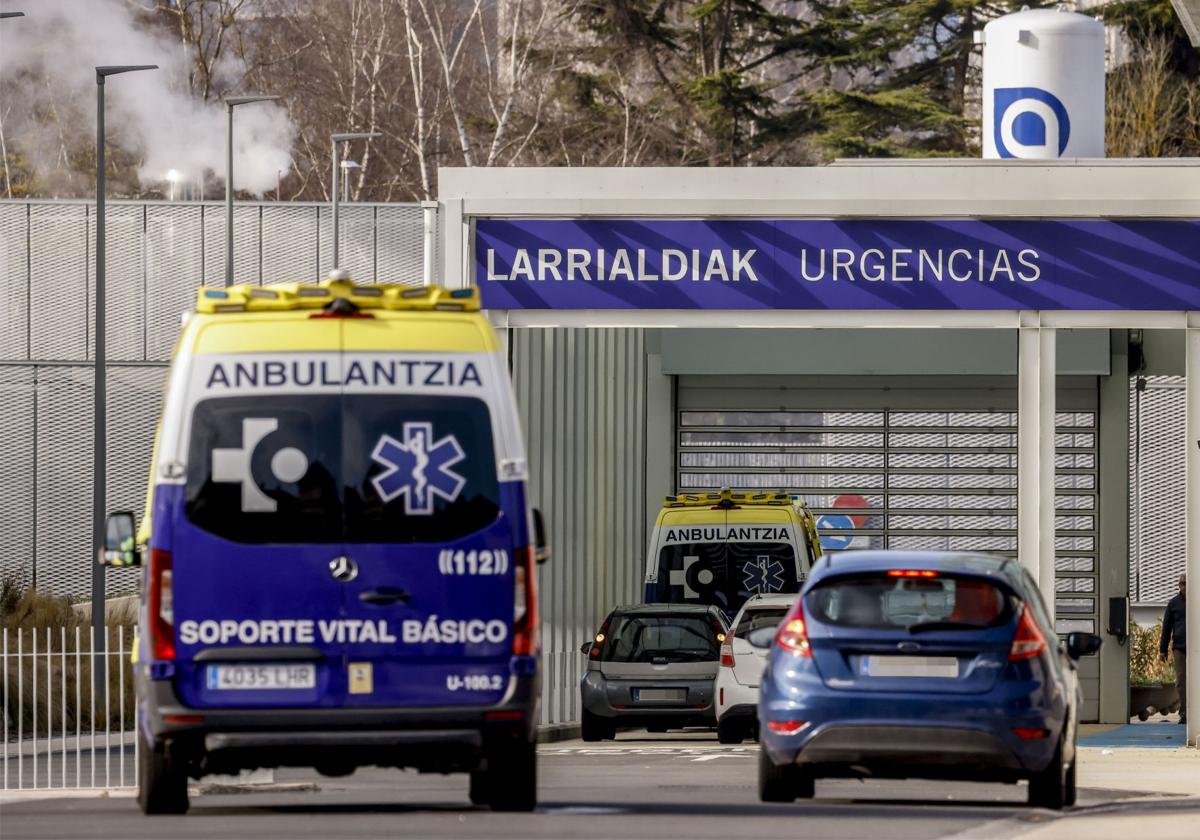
(293, 296)
(726, 499)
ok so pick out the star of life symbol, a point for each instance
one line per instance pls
(762, 575)
(418, 468)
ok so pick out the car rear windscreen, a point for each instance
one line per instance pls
(757, 619)
(645, 638)
(878, 601)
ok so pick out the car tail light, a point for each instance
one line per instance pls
(160, 606)
(727, 654)
(525, 617)
(598, 641)
(1030, 733)
(793, 634)
(912, 573)
(1028, 641)
(786, 727)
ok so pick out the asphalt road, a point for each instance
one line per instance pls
(680, 786)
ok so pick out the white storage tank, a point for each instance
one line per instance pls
(1043, 85)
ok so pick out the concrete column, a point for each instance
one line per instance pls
(1113, 527)
(1029, 486)
(1192, 524)
(429, 213)
(1047, 405)
(456, 249)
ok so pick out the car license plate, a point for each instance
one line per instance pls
(912, 666)
(660, 695)
(269, 675)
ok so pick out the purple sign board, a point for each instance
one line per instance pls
(858, 264)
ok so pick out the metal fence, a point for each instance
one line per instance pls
(58, 732)
(158, 253)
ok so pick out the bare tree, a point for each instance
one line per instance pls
(1151, 110)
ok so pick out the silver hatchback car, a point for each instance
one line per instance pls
(652, 665)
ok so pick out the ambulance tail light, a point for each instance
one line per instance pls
(525, 613)
(160, 606)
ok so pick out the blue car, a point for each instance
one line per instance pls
(920, 665)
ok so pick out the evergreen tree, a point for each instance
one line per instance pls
(910, 74)
(731, 70)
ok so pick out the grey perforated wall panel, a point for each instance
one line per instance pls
(58, 281)
(125, 283)
(157, 255)
(174, 251)
(356, 223)
(400, 234)
(14, 281)
(246, 255)
(64, 486)
(17, 503)
(888, 473)
(581, 394)
(289, 245)
(1157, 427)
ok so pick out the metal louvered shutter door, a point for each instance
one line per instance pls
(17, 463)
(942, 480)
(1158, 427)
(14, 281)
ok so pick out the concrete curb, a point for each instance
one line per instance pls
(553, 732)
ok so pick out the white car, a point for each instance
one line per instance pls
(742, 666)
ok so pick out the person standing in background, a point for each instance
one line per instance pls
(1174, 629)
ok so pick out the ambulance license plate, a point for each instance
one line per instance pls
(269, 675)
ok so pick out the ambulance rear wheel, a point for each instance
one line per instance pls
(511, 777)
(162, 778)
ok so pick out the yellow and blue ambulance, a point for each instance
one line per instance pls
(338, 548)
(723, 547)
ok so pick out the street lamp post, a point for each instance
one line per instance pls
(346, 166)
(232, 102)
(341, 138)
(100, 417)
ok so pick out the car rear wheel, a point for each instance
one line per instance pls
(1048, 788)
(510, 781)
(782, 782)
(730, 731)
(595, 728)
(162, 779)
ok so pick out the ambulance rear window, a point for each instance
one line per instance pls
(366, 468)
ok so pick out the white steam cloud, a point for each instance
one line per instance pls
(58, 44)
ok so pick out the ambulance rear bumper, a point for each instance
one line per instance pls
(441, 739)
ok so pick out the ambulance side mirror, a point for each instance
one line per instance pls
(119, 548)
(541, 545)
